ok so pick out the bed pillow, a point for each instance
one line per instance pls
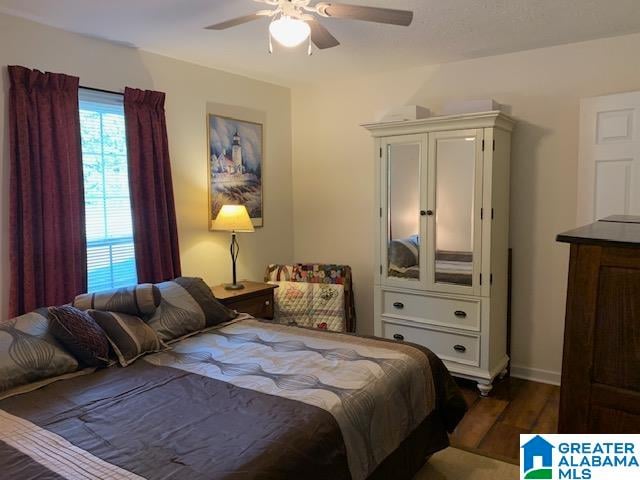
(139, 300)
(130, 336)
(404, 253)
(316, 305)
(80, 334)
(187, 306)
(29, 352)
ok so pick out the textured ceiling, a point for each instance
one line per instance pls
(443, 31)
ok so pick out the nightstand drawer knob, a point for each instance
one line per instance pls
(460, 314)
(460, 348)
(398, 305)
(397, 336)
(267, 302)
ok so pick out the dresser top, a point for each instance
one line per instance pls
(462, 121)
(614, 231)
(251, 289)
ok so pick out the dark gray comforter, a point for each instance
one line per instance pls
(250, 400)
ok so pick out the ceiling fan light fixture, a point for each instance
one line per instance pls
(289, 32)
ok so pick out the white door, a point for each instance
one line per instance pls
(454, 233)
(403, 211)
(609, 162)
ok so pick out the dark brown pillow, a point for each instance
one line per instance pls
(80, 334)
(129, 335)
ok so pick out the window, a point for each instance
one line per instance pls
(110, 253)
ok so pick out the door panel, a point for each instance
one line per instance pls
(609, 165)
(403, 199)
(613, 187)
(617, 353)
(455, 199)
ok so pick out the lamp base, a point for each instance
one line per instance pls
(234, 286)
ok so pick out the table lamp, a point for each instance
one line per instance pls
(234, 219)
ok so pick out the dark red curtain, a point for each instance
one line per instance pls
(154, 216)
(47, 245)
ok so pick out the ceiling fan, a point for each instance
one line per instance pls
(293, 21)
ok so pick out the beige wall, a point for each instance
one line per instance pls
(333, 168)
(189, 89)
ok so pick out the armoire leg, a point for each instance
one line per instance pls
(485, 388)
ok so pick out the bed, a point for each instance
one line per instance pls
(245, 399)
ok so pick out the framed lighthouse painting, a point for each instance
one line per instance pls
(236, 153)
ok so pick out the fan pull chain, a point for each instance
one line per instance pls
(310, 51)
(270, 44)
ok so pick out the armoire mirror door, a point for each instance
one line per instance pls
(455, 170)
(403, 210)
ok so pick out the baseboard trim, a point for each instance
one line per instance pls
(536, 374)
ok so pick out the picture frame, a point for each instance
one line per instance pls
(235, 166)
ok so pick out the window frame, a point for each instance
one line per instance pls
(104, 103)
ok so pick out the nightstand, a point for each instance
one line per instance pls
(255, 298)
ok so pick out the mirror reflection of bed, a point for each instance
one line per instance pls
(453, 267)
(404, 207)
(455, 176)
(454, 200)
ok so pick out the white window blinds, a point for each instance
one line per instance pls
(110, 253)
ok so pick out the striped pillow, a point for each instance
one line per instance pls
(29, 352)
(188, 306)
(130, 336)
(404, 252)
(140, 300)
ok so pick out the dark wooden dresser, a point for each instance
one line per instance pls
(600, 390)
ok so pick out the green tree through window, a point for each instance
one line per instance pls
(110, 253)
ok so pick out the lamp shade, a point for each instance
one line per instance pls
(233, 218)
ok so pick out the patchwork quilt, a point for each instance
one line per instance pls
(316, 305)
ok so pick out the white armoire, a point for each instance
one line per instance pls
(442, 211)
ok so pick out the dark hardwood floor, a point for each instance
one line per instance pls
(493, 424)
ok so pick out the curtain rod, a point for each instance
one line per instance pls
(101, 90)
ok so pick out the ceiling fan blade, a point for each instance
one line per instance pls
(321, 37)
(235, 22)
(368, 14)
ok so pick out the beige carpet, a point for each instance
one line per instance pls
(454, 464)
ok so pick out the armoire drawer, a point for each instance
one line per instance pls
(463, 349)
(448, 312)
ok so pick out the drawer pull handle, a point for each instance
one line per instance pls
(399, 305)
(397, 336)
(460, 314)
(460, 348)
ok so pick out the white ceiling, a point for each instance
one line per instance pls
(443, 31)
